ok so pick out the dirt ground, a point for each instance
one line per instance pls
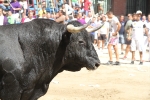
(124, 82)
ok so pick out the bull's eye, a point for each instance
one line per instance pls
(81, 42)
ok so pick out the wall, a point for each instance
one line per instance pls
(148, 7)
(119, 7)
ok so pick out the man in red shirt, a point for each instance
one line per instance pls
(86, 6)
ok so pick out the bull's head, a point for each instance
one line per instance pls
(79, 51)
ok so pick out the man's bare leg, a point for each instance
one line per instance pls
(122, 48)
(116, 52)
(99, 44)
(103, 44)
(110, 51)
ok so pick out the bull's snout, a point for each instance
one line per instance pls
(97, 64)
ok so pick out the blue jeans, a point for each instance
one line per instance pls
(86, 12)
(2, 6)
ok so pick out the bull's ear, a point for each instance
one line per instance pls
(72, 29)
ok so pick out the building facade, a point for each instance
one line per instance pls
(123, 7)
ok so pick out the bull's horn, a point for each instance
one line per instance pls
(72, 29)
(94, 29)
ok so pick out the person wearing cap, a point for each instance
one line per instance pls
(103, 32)
(114, 38)
(137, 29)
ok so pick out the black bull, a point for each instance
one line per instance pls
(33, 53)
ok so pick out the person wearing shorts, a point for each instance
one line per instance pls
(137, 28)
(103, 32)
(121, 33)
(113, 41)
(127, 40)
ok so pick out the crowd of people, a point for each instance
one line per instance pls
(133, 32)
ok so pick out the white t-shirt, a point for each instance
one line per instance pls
(137, 30)
(68, 9)
(28, 20)
(104, 28)
(87, 19)
(113, 25)
(24, 4)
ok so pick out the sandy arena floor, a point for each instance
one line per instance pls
(124, 82)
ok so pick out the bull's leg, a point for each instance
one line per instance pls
(10, 88)
(37, 93)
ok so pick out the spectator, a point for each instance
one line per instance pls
(67, 9)
(145, 38)
(44, 15)
(103, 32)
(61, 17)
(23, 17)
(100, 9)
(144, 19)
(80, 18)
(86, 7)
(30, 17)
(3, 19)
(121, 33)
(48, 16)
(127, 39)
(80, 10)
(89, 17)
(137, 36)
(15, 7)
(11, 19)
(99, 20)
(24, 6)
(113, 41)
(42, 12)
(93, 25)
(148, 28)
(52, 16)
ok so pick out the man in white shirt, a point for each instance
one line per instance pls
(137, 29)
(103, 32)
(114, 39)
(30, 17)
